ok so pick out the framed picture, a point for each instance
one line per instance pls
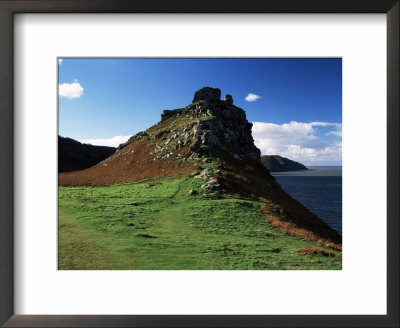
(55, 274)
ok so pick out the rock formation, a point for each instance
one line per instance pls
(208, 94)
(220, 126)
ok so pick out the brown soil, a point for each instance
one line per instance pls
(131, 163)
(315, 251)
(304, 225)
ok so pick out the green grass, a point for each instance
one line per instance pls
(155, 224)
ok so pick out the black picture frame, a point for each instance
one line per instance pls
(10, 7)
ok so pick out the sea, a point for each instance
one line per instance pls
(319, 189)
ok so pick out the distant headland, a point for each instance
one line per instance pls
(276, 163)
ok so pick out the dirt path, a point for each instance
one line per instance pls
(171, 218)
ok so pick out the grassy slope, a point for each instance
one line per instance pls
(156, 224)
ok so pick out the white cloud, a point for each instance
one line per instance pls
(70, 90)
(110, 142)
(337, 132)
(251, 97)
(60, 61)
(299, 141)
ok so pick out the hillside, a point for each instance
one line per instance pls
(74, 156)
(276, 163)
(192, 188)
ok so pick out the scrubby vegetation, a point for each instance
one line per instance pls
(157, 224)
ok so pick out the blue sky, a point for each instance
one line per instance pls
(294, 104)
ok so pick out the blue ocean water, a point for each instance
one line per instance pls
(319, 189)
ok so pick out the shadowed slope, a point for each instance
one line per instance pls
(74, 156)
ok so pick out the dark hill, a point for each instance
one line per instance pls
(209, 139)
(276, 163)
(74, 156)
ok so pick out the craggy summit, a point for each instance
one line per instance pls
(221, 126)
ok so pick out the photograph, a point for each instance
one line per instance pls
(199, 163)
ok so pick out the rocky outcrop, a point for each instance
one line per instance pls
(208, 94)
(276, 163)
(228, 100)
(220, 126)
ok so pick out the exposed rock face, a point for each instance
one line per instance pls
(211, 185)
(228, 99)
(208, 94)
(220, 126)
